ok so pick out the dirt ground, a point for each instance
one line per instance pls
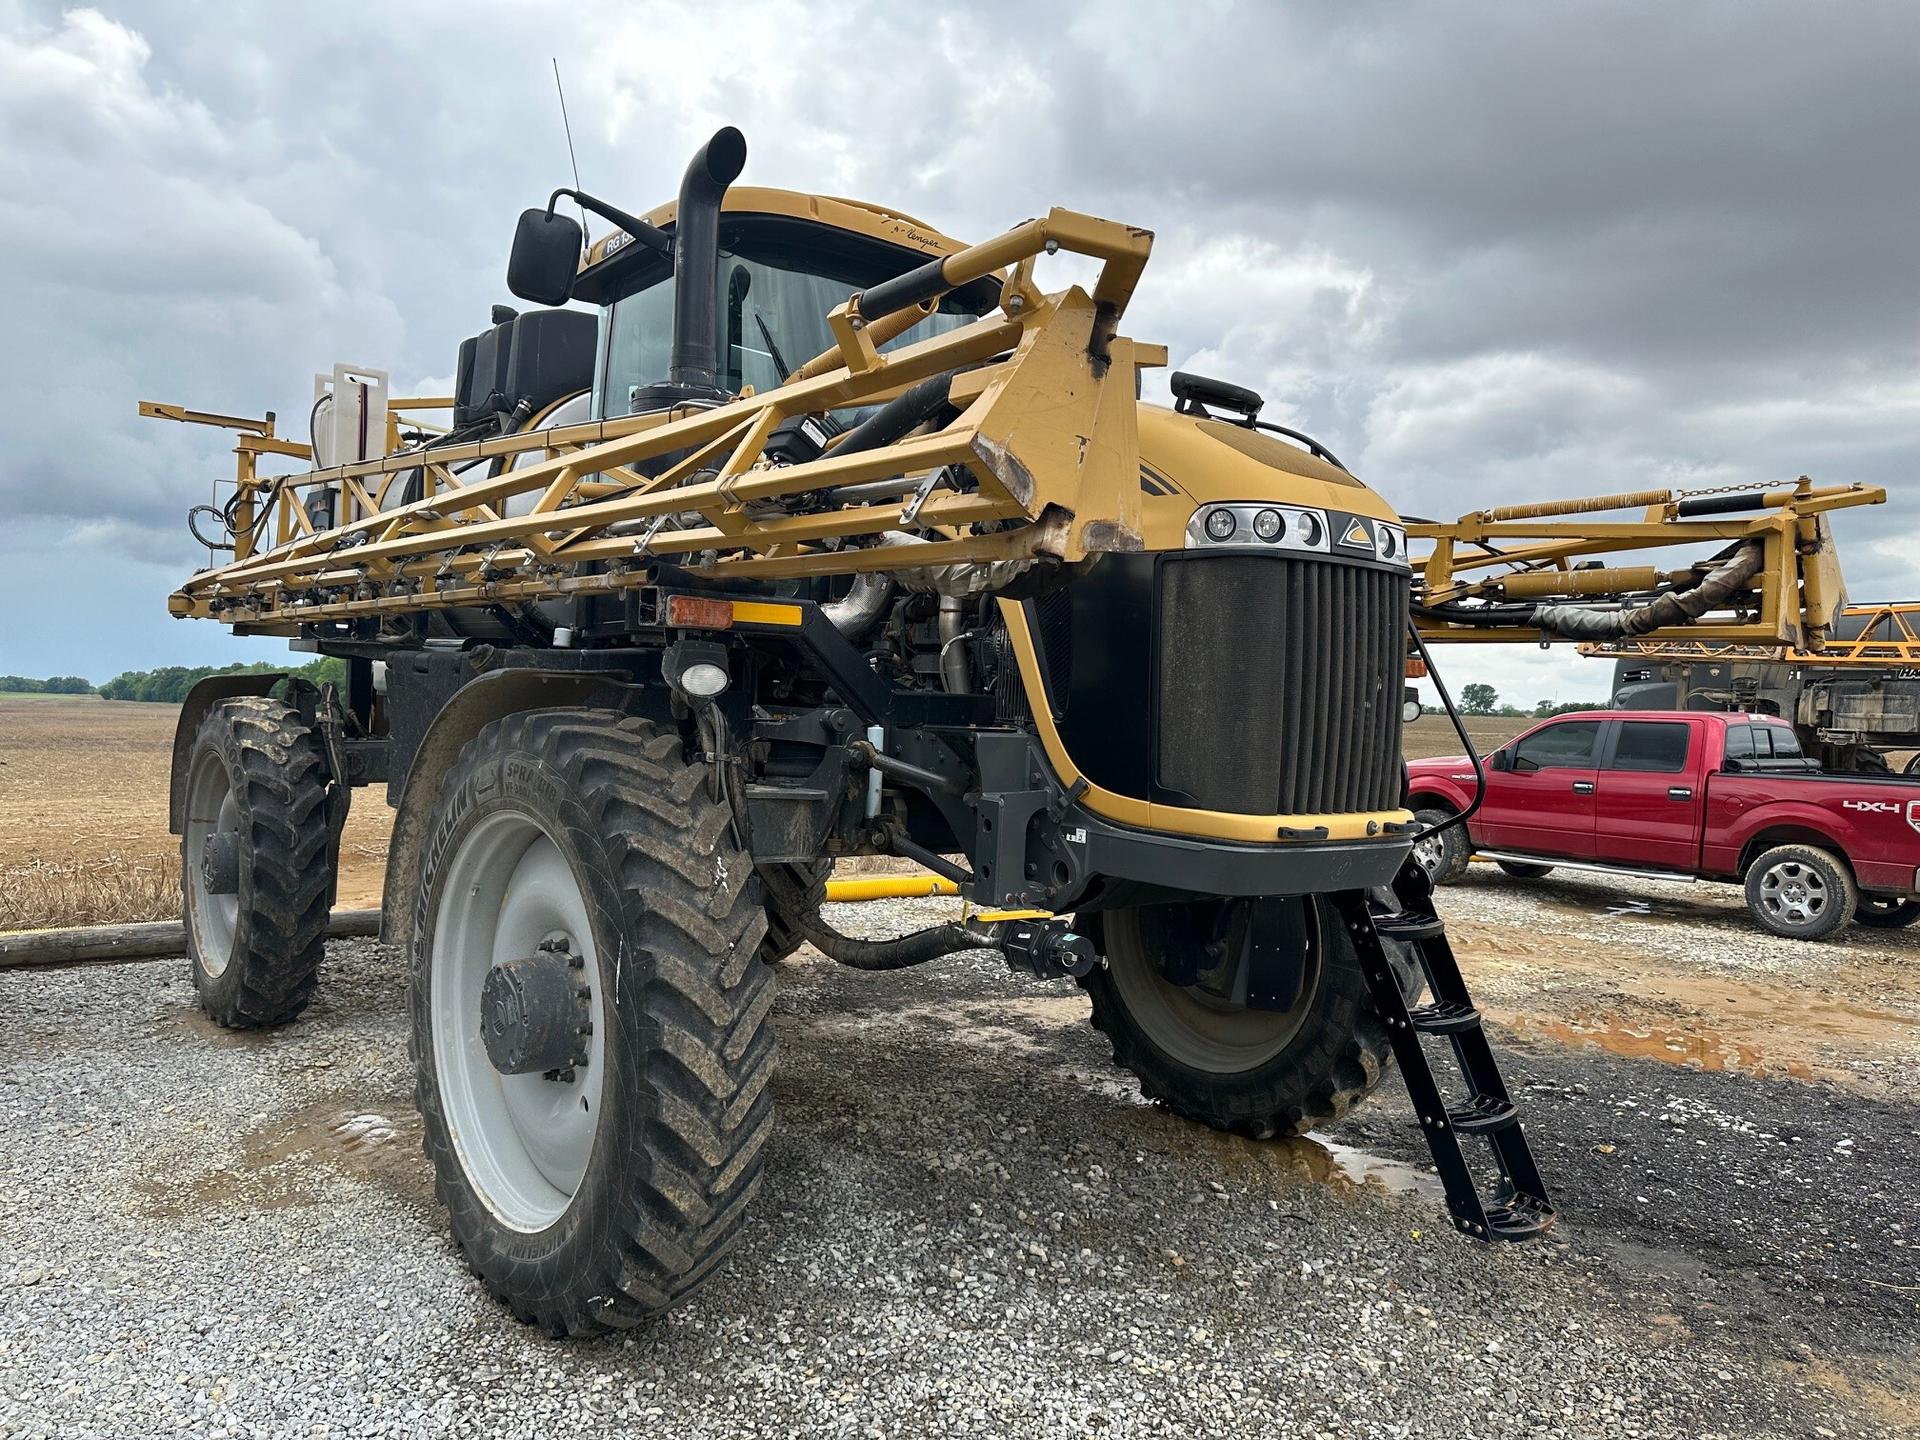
(83, 813)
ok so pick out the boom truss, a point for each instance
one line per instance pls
(1042, 460)
(1888, 637)
(1501, 561)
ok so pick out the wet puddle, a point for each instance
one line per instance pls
(284, 1161)
(1697, 1049)
(1300, 1160)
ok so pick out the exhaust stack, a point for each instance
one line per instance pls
(695, 362)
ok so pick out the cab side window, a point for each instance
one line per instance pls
(1786, 745)
(1567, 745)
(1655, 745)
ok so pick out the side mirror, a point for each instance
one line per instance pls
(1500, 760)
(545, 257)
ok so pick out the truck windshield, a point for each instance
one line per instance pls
(773, 319)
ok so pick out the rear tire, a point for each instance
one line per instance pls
(591, 828)
(810, 880)
(256, 919)
(1256, 1073)
(1885, 912)
(1801, 891)
(1520, 870)
(1443, 855)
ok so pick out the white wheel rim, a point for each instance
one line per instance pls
(1202, 1031)
(524, 1141)
(212, 809)
(1793, 892)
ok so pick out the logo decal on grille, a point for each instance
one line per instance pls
(1358, 534)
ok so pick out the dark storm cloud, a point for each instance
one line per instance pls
(1483, 250)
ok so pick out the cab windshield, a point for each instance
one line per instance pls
(773, 320)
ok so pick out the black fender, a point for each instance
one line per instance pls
(201, 698)
(474, 706)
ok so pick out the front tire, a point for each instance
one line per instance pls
(1443, 854)
(1801, 891)
(595, 1194)
(1258, 1073)
(255, 867)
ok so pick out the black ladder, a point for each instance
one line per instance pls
(1516, 1207)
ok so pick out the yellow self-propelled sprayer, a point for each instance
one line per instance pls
(787, 529)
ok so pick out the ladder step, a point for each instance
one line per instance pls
(1520, 1218)
(1403, 926)
(1446, 1018)
(1483, 1115)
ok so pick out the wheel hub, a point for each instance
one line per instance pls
(220, 863)
(534, 1016)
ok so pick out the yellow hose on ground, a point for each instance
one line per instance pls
(888, 887)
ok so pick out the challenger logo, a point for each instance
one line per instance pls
(1358, 534)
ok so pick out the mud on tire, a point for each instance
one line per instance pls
(256, 783)
(675, 928)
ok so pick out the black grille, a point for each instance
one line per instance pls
(1280, 684)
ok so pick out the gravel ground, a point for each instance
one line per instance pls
(971, 1225)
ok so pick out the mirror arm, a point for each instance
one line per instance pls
(652, 237)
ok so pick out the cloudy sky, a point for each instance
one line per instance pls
(1485, 252)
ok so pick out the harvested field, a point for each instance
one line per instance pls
(83, 816)
(83, 811)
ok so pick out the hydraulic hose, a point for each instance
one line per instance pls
(1677, 607)
(1582, 622)
(897, 954)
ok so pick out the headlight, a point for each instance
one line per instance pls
(703, 680)
(1390, 542)
(1269, 526)
(1221, 524)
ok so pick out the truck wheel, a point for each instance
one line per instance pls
(1256, 1072)
(254, 866)
(1520, 870)
(811, 881)
(1444, 855)
(1800, 891)
(590, 1018)
(1886, 912)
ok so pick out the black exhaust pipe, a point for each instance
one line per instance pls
(696, 262)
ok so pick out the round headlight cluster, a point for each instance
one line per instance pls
(1221, 524)
(1269, 525)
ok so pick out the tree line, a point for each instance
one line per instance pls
(52, 685)
(169, 684)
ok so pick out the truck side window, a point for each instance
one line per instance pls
(1567, 744)
(1742, 744)
(1786, 745)
(1650, 745)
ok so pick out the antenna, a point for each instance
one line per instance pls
(572, 159)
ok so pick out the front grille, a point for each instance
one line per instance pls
(1280, 683)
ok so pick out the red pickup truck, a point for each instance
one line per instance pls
(1685, 795)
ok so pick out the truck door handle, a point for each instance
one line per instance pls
(1679, 792)
(1583, 787)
